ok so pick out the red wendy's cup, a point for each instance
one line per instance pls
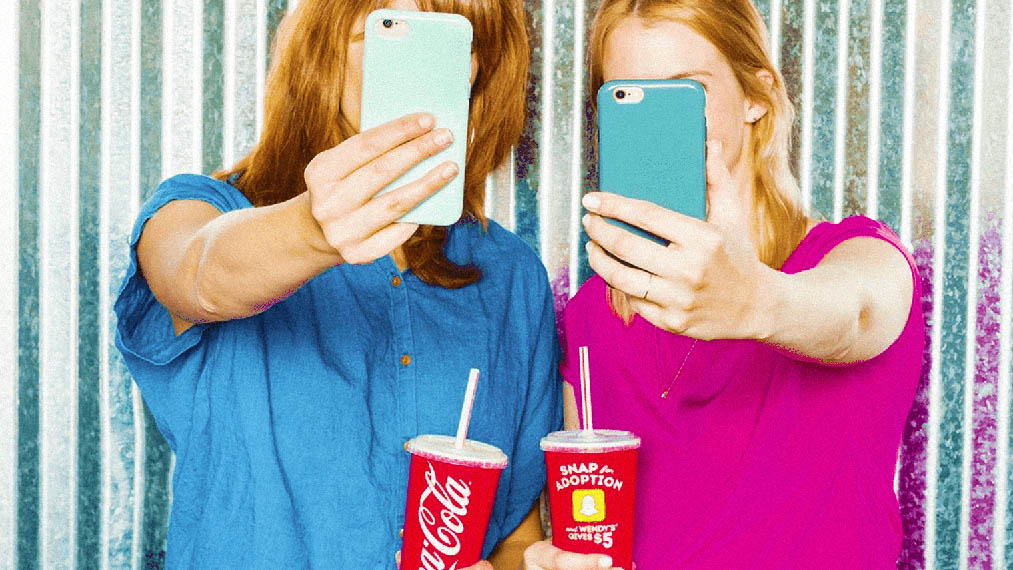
(451, 492)
(592, 482)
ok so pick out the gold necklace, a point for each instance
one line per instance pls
(657, 347)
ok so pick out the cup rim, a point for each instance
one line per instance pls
(442, 448)
(598, 441)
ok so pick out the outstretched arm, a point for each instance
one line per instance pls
(709, 283)
(205, 266)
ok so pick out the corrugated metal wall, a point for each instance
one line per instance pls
(905, 115)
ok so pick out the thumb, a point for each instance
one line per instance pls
(722, 196)
(543, 556)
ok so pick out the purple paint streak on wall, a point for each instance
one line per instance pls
(560, 295)
(986, 377)
(911, 486)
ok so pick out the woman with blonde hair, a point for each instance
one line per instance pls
(766, 359)
(290, 335)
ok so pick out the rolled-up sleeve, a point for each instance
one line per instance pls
(164, 365)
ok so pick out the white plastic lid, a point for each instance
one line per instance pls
(442, 448)
(599, 440)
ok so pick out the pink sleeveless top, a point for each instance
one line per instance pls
(756, 459)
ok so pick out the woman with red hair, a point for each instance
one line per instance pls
(766, 359)
(290, 335)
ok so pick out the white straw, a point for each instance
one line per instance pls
(469, 400)
(585, 390)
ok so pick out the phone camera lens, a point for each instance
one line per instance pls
(620, 94)
(388, 23)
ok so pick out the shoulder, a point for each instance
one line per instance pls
(590, 310)
(590, 296)
(193, 182)
(502, 244)
(218, 193)
(862, 243)
(869, 250)
(853, 237)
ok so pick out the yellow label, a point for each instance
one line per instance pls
(588, 505)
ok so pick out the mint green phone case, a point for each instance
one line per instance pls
(654, 149)
(425, 68)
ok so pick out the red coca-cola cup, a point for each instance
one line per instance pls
(451, 492)
(592, 482)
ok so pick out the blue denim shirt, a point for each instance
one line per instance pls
(289, 426)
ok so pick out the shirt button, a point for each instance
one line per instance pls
(396, 281)
(406, 360)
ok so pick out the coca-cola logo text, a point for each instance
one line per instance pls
(452, 502)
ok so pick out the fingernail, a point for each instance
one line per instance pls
(590, 202)
(587, 246)
(605, 562)
(449, 170)
(444, 137)
(426, 121)
(586, 219)
(714, 146)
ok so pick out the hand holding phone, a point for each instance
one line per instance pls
(651, 144)
(421, 62)
(343, 183)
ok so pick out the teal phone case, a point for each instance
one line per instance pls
(426, 68)
(654, 149)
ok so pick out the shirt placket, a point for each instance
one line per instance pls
(403, 356)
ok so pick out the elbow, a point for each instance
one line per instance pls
(205, 299)
(864, 320)
(219, 290)
(205, 290)
(852, 338)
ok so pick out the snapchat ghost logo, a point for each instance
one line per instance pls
(588, 505)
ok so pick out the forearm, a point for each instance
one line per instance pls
(816, 313)
(509, 554)
(244, 261)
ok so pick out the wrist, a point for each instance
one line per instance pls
(806, 319)
(768, 306)
(309, 233)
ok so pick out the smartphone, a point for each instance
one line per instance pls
(652, 137)
(413, 62)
